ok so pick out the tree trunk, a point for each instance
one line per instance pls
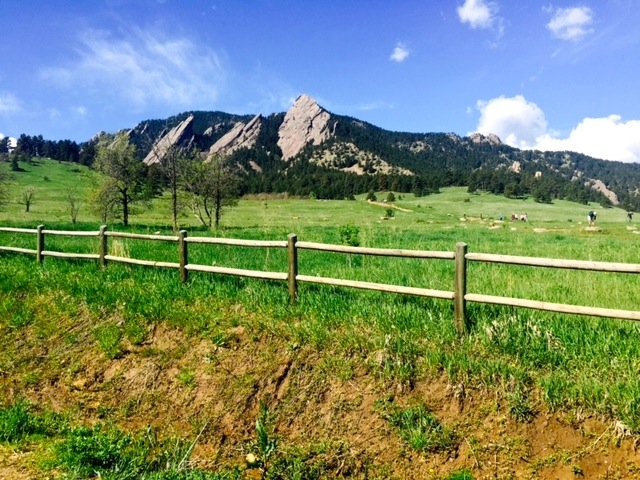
(125, 208)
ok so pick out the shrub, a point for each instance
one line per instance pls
(349, 235)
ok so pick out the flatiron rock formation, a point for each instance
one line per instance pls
(305, 122)
(173, 137)
(240, 136)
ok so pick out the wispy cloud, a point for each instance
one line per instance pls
(376, 105)
(9, 103)
(522, 124)
(478, 13)
(571, 24)
(143, 68)
(400, 53)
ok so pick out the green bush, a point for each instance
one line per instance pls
(21, 420)
(349, 235)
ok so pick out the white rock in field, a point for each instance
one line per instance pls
(252, 460)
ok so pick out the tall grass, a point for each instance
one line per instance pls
(576, 361)
(534, 360)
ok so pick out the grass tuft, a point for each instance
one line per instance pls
(418, 427)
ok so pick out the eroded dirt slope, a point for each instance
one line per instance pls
(214, 390)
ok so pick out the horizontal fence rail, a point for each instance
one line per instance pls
(555, 263)
(459, 295)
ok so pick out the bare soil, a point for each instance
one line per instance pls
(186, 386)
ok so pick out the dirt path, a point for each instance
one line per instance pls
(389, 205)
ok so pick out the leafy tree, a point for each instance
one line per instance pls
(118, 161)
(173, 166)
(371, 196)
(4, 145)
(213, 188)
(27, 198)
(391, 197)
(15, 166)
(73, 200)
(104, 200)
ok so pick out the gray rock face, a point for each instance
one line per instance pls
(490, 138)
(305, 122)
(241, 135)
(165, 142)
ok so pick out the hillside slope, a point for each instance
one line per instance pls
(280, 146)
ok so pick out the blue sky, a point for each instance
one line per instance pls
(559, 75)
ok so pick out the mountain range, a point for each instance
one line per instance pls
(308, 150)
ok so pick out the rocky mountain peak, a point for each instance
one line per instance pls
(305, 122)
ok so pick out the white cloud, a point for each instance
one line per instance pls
(608, 137)
(400, 53)
(515, 120)
(9, 103)
(570, 23)
(478, 13)
(143, 68)
(522, 124)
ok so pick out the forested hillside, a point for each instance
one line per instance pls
(349, 157)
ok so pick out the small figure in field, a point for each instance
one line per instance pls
(514, 216)
(524, 217)
(629, 216)
(592, 218)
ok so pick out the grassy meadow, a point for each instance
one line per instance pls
(531, 361)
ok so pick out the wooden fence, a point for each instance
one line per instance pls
(459, 296)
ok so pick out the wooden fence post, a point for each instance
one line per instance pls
(39, 244)
(102, 249)
(293, 267)
(460, 289)
(184, 256)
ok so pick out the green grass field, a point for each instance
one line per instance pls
(533, 360)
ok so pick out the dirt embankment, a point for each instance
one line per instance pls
(184, 386)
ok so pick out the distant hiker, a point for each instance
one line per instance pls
(592, 218)
(629, 216)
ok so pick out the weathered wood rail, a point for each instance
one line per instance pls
(459, 295)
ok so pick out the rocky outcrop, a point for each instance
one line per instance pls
(491, 138)
(599, 186)
(171, 138)
(347, 157)
(305, 122)
(516, 167)
(240, 136)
